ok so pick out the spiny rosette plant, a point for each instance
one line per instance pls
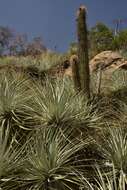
(106, 181)
(56, 104)
(51, 161)
(14, 99)
(114, 149)
(10, 160)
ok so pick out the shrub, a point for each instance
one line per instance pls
(51, 161)
(14, 98)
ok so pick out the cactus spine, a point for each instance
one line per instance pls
(83, 51)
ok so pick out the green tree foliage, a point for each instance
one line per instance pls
(101, 38)
(121, 40)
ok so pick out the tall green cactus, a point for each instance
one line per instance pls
(75, 72)
(83, 51)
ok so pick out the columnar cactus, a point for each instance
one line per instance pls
(83, 51)
(75, 72)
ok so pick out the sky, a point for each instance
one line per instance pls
(55, 20)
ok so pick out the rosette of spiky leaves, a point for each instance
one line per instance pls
(10, 157)
(106, 181)
(115, 149)
(51, 161)
(14, 97)
(55, 104)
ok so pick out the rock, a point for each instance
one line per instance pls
(106, 60)
(122, 66)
